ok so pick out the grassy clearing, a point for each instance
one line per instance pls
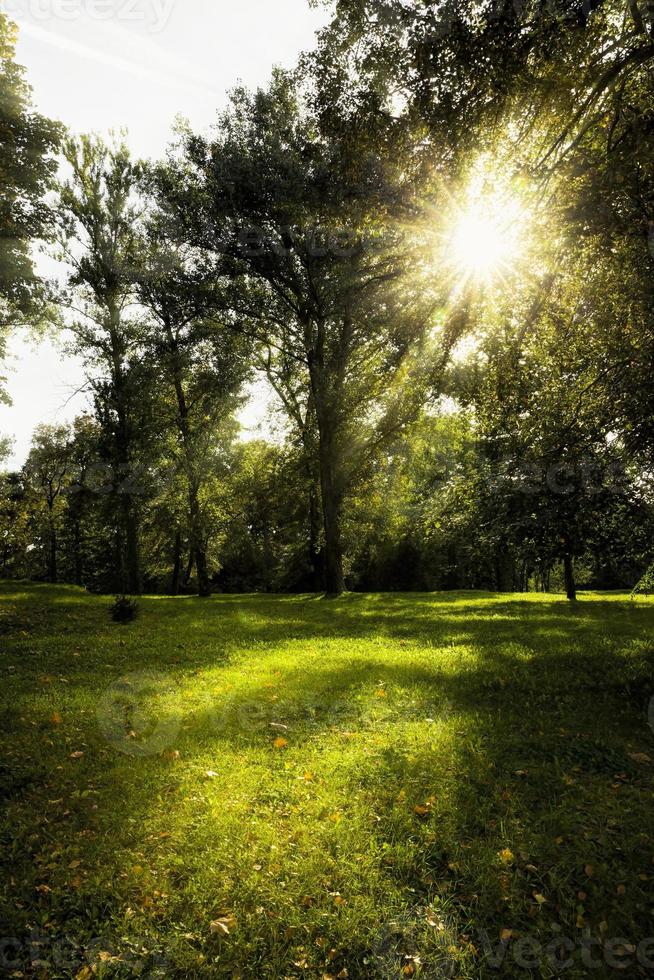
(284, 787)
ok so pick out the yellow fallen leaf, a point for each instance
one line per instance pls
(540, 898)
(223, 925)
(56, 718)
(280, 743)
(507, 856)
(505, 935)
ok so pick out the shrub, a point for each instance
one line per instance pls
(124, 609)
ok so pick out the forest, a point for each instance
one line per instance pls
(427, 250)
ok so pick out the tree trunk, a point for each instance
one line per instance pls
(331, 481)
(315, 553)
(569, 576)
(189, 568)
(52, 557)
(177, 564)
(331, 510)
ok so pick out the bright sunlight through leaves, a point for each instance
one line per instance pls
(487, 231)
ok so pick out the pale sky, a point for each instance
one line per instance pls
(98, 65)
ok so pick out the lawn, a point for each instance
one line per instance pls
(448, 785)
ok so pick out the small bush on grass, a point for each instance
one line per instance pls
(124, 609)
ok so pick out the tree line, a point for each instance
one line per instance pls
(434, 429)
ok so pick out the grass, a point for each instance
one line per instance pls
(377, 787)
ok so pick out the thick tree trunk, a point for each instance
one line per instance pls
(569, 577)
(331, 477)
(315, 553)
(331, 509)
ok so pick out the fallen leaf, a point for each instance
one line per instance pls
(76, 755)
(540, 898)
(507, 856)
(210, 774)
(589, 870)
(280, 743)
(56, 718)
(505, 935)
(223, 925)
(641, 757)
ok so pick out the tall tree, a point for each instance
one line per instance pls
(100, 217)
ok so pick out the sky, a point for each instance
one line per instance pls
(101, 65)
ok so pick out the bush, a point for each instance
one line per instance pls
(124, 609)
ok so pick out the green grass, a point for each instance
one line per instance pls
(511, 723)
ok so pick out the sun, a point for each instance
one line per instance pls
(486, 234)
(480, 245)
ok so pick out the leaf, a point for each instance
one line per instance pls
(589, 870)
(76, 755)
(641, 757)
(507, 856)
(506, 934)
(280, 743)
(210, 774)
(56, 718)
(222, 926)
(540, 898)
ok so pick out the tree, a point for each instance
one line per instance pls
(47, 473)
(202, 364)
(27, 171)
(99, 230)
(312, 230)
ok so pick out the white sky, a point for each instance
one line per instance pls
(98, 65)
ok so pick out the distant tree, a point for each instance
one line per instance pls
(47, 473)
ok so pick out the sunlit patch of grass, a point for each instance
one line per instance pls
(383, 785)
